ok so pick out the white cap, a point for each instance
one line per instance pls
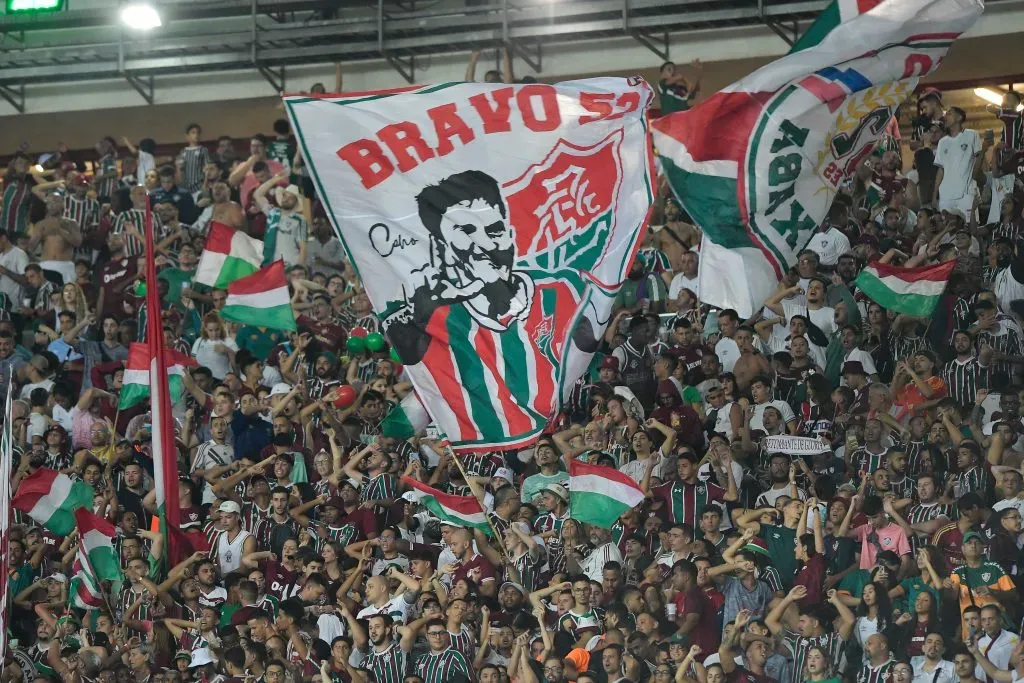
(504, 473)
(280, 388)
(201, 657)
(230, 506)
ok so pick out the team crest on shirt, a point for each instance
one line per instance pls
(986, 577)
(776, 536)
(886, 541)
(702, 489)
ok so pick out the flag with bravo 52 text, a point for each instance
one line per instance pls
(492, 226)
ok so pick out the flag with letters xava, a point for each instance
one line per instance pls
(758, 164)
(492, 226)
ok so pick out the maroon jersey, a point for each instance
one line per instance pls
(278, 579)
(111, 277)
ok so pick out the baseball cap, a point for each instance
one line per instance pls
(557, 490)
(971, 536)
(334, 502)
(514, 585)
(757, 545)
(610, 362)
(201, 657)
(280, 389)
(504, 473)
(230, 506)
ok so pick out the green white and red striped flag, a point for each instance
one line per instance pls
(135, 386)
(492, 226)
(914, 291)
(96, 541)
(405, 420)
(261, 299)
(227, 255)
(51, 498)
(758, 164)
(599, 495)
(464, 511)
(83, 591)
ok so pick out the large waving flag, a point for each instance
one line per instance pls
(228, 255)
(492, 226)
(51, 498)
(914, 291)
(96, 543)
(462, 511)
(84, 592)
(600, 495)
(261, 299)
(758, 164)
(135, 387)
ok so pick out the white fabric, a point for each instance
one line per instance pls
(15, 261)
(945, 668)
(757, 421)
(681, 282)
(829, 246)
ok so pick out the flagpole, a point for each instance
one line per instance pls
(83, 559)
(479, 497)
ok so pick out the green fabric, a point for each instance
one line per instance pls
(854, 582)
(259, 342)
(670, 102)
(692, 395)
(628, 296)
(176, 278)
(535, 482)
(835, 353)
(781, 540)
(21, 579)
(913, 587)
(227, 610)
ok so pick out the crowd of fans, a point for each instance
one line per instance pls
(892, 553)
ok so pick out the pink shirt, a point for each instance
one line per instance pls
(874, 541)
(81, 424)
(249, 183)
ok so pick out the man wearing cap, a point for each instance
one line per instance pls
(978, 581)
(234, 542)
(287, 232)
(555, 499)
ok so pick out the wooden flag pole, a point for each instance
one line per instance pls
(478, 495)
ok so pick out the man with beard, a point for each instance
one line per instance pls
(387, 659)
(325, 376)
(787, 301)
(780, 473)
(279, 524)
(604, 551)
(287, 231)
(997, 338)
(549, 471)
(685, 346)
(342, 519)
(223, 210)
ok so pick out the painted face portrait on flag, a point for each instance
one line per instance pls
(492, 226)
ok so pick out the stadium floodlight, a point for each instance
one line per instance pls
(141, 16)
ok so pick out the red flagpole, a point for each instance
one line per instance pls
(165, 460)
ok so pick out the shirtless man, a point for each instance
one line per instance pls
(750, 363)
(59, 236)
(224, 210)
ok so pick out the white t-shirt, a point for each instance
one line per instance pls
(26, 390)
(829, 246)
(757, 420)
(955, 155)
(15, 261)
(1001, 187)
(944, 671)
(824, 318)
(864, 358)
(397, 608)
(218, 363)
(728, 353)
(681, 282)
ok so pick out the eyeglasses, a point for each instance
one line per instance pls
(435, 633)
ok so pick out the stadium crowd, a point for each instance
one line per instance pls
(891, 553)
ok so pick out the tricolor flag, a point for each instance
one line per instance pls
(227, 255)
(96, 542)
(913, 291)
(462, 511)
(84, 592)
(599, 495)
(493, 226)
(405, 420)
(261, 299)
(758, 164)
(51, 498)
(135, 386)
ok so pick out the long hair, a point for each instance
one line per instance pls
(883, 606)
(212, 317)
